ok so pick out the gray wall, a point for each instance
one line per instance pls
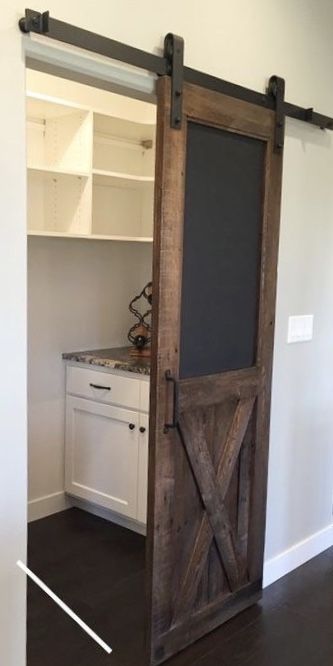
(301, 452)
(78, 296)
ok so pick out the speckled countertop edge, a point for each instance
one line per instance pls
(116, 358)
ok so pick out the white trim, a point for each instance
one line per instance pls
(297, 555)
(108, 514)
(47, 505)
(50, 504)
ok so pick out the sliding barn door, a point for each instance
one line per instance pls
(216, 242)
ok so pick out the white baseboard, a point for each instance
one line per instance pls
(297, 555)
(107, 514)
(49, 504)
(45, 506)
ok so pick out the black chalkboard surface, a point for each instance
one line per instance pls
(221, 258)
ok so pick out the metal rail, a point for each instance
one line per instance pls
(171, 63)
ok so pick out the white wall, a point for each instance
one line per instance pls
(300, 492)
(13, 453)
(244, 42)
(78, 296)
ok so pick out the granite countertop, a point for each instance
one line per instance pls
(117, 358)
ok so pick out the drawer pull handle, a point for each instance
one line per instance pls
(102, 388)
(131, 426)
(142, 429)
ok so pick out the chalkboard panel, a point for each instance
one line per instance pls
(221, 262)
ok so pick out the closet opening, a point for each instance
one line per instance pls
(91, 165)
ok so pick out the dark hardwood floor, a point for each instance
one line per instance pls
(97, 568)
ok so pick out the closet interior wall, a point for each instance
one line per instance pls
(85, 183)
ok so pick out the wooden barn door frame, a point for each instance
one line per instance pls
(216, 110)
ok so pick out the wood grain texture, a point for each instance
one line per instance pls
(215, 109)
(207, 482)
(202, 544)
(193, 439)
(213, 389)
(217, 612)
(244, 493)
(270, 247)
(169, 203)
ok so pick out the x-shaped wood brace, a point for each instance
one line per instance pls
(213, 487)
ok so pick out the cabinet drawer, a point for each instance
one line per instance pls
(103, 387)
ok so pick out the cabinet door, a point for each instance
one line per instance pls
(102, 454)
(143, 468)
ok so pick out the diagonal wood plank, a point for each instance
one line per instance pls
(187, 592)
(244, 498)
(234, 441)
(193, 437)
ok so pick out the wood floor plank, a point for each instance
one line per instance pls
(99, 568)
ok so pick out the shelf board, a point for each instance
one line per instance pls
(54, 171)
(113, 178)
(47, 106)
(63, 234)
(54, 107)
(125, 129)
(124, 239)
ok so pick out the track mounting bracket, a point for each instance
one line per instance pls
(35, 22)
(276, 88)
(174, 56)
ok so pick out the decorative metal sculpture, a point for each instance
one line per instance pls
(140, 334)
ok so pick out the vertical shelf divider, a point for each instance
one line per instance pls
(90, 172)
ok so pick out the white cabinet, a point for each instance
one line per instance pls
(143, 468)
(102, 454)
(107, 444)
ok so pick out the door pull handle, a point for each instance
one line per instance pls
(175, 408)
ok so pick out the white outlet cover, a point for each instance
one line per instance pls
(300, 328)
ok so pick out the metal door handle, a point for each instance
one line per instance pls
(175, 409)
(131, 426)
(101, 388)
(142, 429)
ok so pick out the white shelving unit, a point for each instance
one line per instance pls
(90, 174)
